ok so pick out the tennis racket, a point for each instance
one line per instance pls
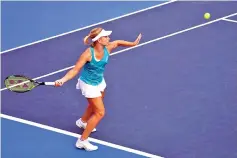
(22, 84)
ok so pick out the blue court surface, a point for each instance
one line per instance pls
(172, 96)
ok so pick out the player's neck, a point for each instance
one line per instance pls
(99, 48)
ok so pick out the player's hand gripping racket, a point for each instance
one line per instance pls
(21, 84)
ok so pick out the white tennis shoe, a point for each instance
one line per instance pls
(86, 145)
(83, 125)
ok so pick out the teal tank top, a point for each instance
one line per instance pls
(93, 71)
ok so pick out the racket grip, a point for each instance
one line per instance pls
(49, 83)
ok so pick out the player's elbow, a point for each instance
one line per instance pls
(75, 70)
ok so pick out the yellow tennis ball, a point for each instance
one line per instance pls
(207, 15)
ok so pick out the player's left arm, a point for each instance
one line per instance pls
(122, 43)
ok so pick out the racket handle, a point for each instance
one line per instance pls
(49, 83)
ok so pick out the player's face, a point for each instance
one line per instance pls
(104, 40)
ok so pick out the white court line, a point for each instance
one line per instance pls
(142, 44)
(83, 28)
(77, 135)
(229, 20)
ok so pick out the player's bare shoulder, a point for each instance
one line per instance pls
(86, 55)
(111, 46)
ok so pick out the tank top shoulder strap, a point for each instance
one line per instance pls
(106, 51)
(92, 53)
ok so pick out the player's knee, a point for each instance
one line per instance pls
(100, 113)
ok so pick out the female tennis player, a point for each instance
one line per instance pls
(91, 81)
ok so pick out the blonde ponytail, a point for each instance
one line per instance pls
(86, 40)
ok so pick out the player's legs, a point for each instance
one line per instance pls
(89, 112)
(82, 122)
(98, 113)
(94, 113)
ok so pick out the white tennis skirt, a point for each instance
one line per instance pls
(90, 91)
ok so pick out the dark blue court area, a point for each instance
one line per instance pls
(172, 97)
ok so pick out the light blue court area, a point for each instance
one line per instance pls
(26, 22)
(26, 141)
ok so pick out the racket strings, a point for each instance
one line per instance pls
(19, 83)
